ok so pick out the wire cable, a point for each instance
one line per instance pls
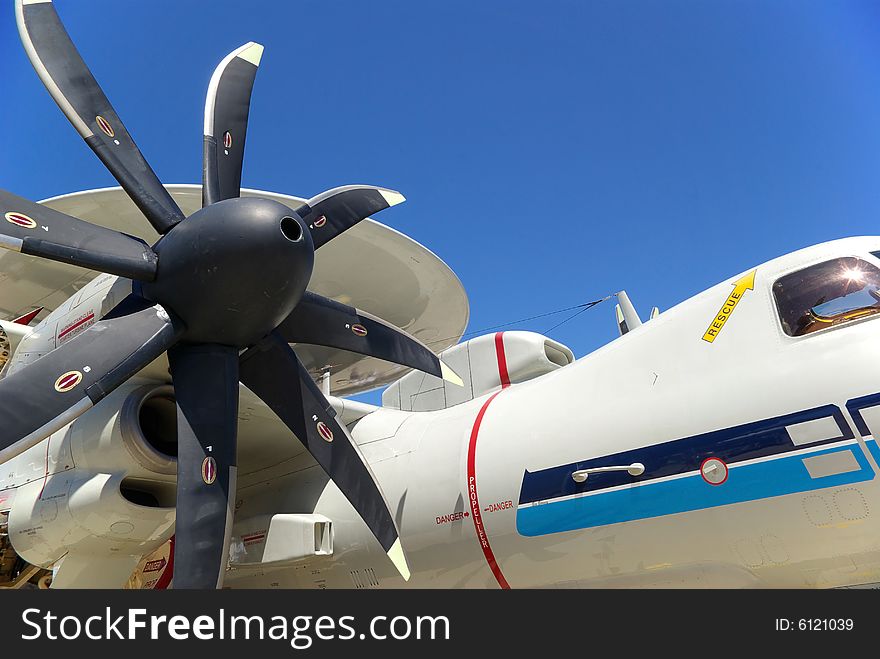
(580, 309)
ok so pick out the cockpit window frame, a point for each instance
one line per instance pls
(871, 258)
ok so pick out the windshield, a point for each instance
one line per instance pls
(827, 294)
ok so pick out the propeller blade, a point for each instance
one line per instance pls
(274, 373)
(51, 392)
(37, 230)
(337, 210)
(206, 389)
(226, 116)
(77, 93)
(321, 321)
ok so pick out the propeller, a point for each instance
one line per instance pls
(227, 107)
(334, 211)
(274, 372)
(206, 389)
(223, 291)
(40, 231)
(75, 90)
(318, 320)
(51, 392)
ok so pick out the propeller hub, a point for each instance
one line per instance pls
(234, 270)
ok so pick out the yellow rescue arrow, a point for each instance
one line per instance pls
(740, 286)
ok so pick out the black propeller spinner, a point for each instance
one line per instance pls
(233, 271)
(222, 291)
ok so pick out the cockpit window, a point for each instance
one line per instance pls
(827, 294)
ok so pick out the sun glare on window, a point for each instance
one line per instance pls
(827, 295)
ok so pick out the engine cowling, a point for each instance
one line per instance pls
(485, 364)
(100, 493)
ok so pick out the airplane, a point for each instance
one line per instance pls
(160, 431)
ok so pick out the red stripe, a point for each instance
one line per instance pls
(502, 359)
(482, 536)
(325, 431)
(165, 579)
(68, 381)
(77, 324)
(208, 470)
(104, 125)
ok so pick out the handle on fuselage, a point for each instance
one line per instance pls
(635, 469)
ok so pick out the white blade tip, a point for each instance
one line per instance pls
(251, 52)
(397, 557)
(391, 197)
(449, 375)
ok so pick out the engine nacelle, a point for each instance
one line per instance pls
(100, 493)
(485, 364)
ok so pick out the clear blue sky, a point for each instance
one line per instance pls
(551, 152)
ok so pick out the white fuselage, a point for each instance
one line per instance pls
(803, 515)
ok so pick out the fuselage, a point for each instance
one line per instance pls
(759, 462)
(483, 492)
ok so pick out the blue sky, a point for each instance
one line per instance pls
(551, 152)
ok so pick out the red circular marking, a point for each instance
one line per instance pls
(209, 470)
(227, 139)
(104, 125)
(359, 329)
(68, 381)
(20, 220)
(325, 432)
(724, 466)
(321, 221)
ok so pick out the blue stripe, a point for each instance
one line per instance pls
(776, 477)
(873, 448)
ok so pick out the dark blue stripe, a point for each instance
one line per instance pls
(855, 406)
(746, 442)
